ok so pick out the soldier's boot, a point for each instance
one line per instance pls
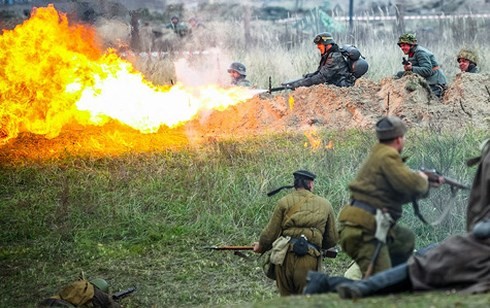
(383, 282)
(317, 283)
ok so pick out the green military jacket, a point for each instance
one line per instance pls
(241, 82)
(384, 181)
(301, 212)
(424, 64)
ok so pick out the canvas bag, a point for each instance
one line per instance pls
(280, 248)
(77, 293)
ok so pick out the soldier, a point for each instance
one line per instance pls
(333, 68)
(460, 262)
(422, 62)
(82, 293)
(383, 184)
(178, 27)
(238, 74)
(309, 221)
(467, 60)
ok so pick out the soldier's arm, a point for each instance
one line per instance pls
(330, 236)
(273, 229)
(403, 179)
(424, 67)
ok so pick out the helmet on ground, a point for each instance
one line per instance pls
(390, 127)
(304, 174)
(100, 284)
(324, 38)
(468, 54)
(407, 38)
(238, 67)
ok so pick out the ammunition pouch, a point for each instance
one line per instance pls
(301, 246)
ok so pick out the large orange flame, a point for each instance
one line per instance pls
(53, 73)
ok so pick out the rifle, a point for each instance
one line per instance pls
(405, 61)
(122, 294)
(326, 253)
(434, 175)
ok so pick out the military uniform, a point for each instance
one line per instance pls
(383, 182)
(300, 213)
(424, 64)
(333, 68)
(241, 82)
(240, 78)
(179, 28)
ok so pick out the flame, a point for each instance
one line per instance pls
(54, 74)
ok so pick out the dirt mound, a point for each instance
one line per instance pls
(464, 104)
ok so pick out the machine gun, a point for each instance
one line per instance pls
(122, 294)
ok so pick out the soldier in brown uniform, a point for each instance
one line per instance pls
(299, 215)
(460, 262)
(383, 183)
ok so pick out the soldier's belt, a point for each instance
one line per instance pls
(310, 245)
(363, 205)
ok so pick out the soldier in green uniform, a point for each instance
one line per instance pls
(384, 182)
(421, 61)
(308, 220)
(238, 75)
(179, 28)
(467, 61)
(460, 262)
(333, 68)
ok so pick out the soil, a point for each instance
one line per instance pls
(465, 103)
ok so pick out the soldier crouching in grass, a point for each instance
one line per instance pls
(302, 224)
(460, 262)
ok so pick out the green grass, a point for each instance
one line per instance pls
(143, 219)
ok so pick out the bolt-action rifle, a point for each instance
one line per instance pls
(433, 176)
(326, 253)
(122, 294)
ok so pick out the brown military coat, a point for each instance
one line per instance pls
(460, 262)
(300, 212)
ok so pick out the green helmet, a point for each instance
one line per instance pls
(407, 38)
(324, 38)
(468, 54)
(239, 68)
(100, 284)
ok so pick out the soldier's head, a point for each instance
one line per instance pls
(174, 20)
(100, 284)
(237, 69)
(324, 41)
(406, 42)
(467, 59)
(391, 130)
(303, 179)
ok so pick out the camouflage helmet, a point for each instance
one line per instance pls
(390, 127)
(238, 67)
(324, 38)
(407, 38)
(100, 284)
(468, 54)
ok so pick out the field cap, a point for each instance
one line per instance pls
(390, 127)
(304, 174)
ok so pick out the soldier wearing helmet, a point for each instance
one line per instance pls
(238, 74)
(422, 62)
(179, 28)
(333, 68)
(467, 61)
(82, 293)
(307, 221)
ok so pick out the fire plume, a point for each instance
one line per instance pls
(54, 74)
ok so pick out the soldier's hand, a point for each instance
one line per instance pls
(407, 67)
(257, 248)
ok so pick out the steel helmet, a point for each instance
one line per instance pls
(238, 67)
(324, 38)
(100, 284)
(407, 38)
(468, 54)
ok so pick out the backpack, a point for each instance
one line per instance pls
(78, 292)
(358, 66)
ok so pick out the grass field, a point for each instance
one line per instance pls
(143, 219)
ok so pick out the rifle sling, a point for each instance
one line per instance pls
(417, 213)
